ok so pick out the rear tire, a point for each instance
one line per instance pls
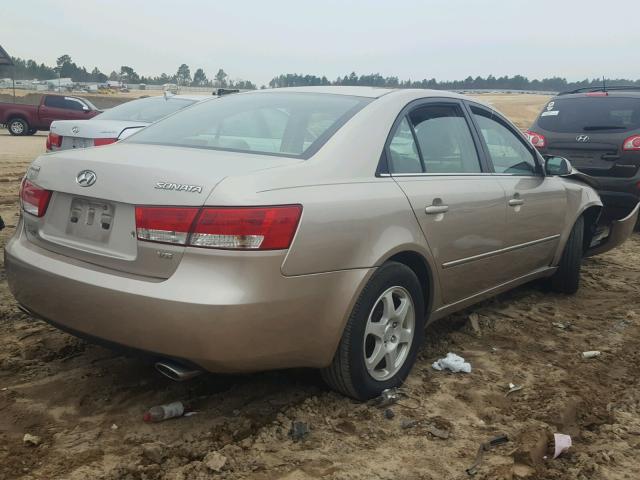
(386, 323)
(18, 126)
(567, 277)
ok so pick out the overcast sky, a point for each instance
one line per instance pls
(258, 39)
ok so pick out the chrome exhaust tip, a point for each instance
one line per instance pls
(175, 371)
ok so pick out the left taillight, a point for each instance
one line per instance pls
(98, 142)
(34, 199)
(232, 228)
(53, 140)
(536, 139)
(165, 224)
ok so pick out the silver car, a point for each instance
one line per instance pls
(116, 123)
(305, 227)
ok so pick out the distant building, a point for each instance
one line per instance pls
(59, 82)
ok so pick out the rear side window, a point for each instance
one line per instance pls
(403, 152)
(508, 152)
(68, 103)
(442, 142)
(288, 124)
(585, 114)
(444, 139)
(54, 101)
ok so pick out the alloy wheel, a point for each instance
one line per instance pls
(389, 333)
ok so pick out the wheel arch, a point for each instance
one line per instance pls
(18, 116)
(420, 266)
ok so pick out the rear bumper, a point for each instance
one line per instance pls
(619, 191)
(224, 311)
(619, 231)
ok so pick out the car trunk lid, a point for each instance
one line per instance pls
(82, 134)
(96, 223)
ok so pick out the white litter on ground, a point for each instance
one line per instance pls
(452, 362)
(562, 443)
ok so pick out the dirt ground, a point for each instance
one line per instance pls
(86, 403)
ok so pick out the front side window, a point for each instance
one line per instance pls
(507, 151)
(289, 124)
(71, 103)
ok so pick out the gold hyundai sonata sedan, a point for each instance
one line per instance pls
(306, 227)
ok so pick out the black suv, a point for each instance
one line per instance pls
(598, 131)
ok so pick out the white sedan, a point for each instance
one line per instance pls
(116, 123)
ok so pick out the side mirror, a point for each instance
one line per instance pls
(85, 108)
(557, 166)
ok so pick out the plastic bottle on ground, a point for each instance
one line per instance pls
(164, 412)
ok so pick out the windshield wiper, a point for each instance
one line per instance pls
(603, 127)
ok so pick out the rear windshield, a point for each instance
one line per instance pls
(585, 114)
(288, 124)
(147, 110)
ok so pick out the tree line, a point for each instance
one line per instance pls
(67, 68)
(517, 82)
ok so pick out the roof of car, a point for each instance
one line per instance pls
(369, 92)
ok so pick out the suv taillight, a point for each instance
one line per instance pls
(536, 139)
(235, 228)
(34, 199)
(632, 143)
(53, 140)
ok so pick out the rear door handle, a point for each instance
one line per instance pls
(435, 209)
(514, 202)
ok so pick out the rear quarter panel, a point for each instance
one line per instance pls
(344, 226)
(580, 197)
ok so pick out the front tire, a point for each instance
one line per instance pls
(567, 277)
(32, 131)
(380, 342)
(18, 126)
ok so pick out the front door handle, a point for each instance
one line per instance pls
(435, 209)
(515, 202)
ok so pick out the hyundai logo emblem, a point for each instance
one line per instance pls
(582, 138)
(86, 178)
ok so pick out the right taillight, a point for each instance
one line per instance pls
(53, 140)
(34, 199)
(631, 143)
(536, 139)
(235, 228)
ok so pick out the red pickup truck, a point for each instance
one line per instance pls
(28, 119)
